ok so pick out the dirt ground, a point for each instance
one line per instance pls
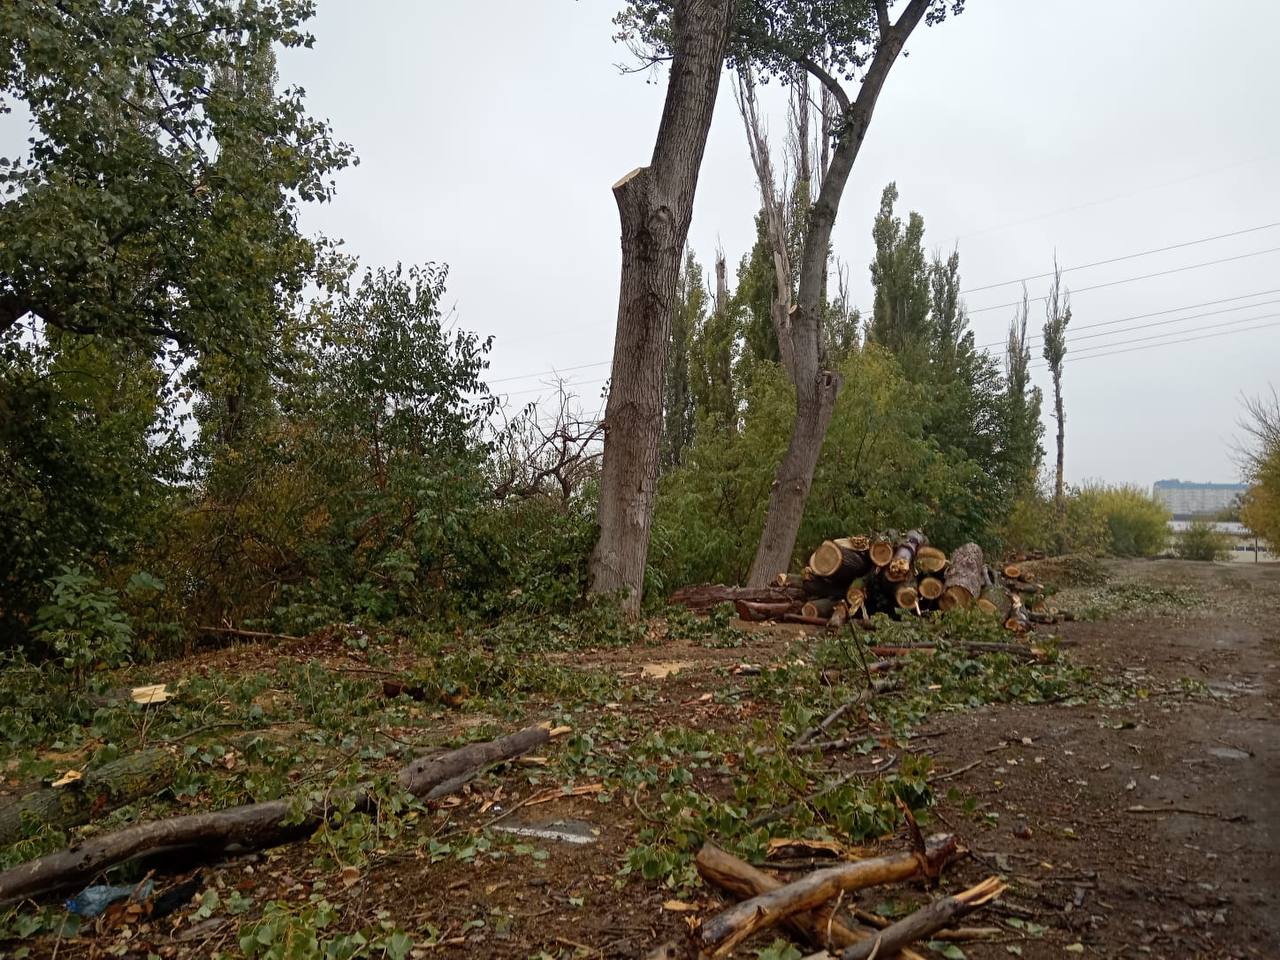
(1143, 821)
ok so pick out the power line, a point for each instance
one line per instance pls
(1128, 256)
(1145, 276)
(1155, 313)
(1152, 346)
(551, 373)
(1112, 199)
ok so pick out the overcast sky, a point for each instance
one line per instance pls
(490, 133)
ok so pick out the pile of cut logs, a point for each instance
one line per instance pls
(853, 577)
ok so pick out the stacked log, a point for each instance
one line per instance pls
(850, 578)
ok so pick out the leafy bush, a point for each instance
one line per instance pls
(1202, 541)
(82, 624)
(1137, 524)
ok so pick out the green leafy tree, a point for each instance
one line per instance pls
(678, 408)
(1022, 402)
(901, 321)
(713, 385)
(1260, 461)
(753, 298)
(136, 210)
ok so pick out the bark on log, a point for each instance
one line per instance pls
(702, 597)
(992, 600)
(250, 826)
(1024, 586)
(758, 612)
(903, 561)
(964, 577)
(838, 561)
(102, 790)
(839, 615)
(721, 933)
(819, 607)
(931, 588)
(930, 559)
(924, 922)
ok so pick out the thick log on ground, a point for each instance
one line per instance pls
(992, 600)
(1012, 571)
(253, 825)
(721, 933)
(881, 550)
(924, 922)
(838, 561)
(903, 561)
(758, 612)
(1024, 586)
(964, 577)
(819, 607)
(906, 596)
(702, 597)
(931, 588)
(102, 790)
(930, 559)
(859, 543)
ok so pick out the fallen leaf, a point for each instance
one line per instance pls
(71, 776)
(665, 668)
(679, 906)
(350, 876)
(560, 731)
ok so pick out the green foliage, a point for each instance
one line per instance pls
(678, 405)
(902, 321)
(1261, 462)
(158, 196)
(1201, 540)
(1136, 524)
(82, 624)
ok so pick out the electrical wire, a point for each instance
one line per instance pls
(1128, 256)
(1152, 346)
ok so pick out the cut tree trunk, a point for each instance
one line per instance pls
(926, 921)
(1024, 586)
(655, 206)
(721, 933)
(903, 561)
(881, 550)
(838, 561)
(112, 785)
(931, 588)
(964, 577)
(906, 596)
(992, 600)
(930, 559)
(819, 607)
(856, 595)
(759, 612)
(253, 825)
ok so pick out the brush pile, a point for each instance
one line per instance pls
(851, 578)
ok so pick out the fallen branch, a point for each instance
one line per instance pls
(790, 808)
(1190, 811)
(253, 825)
(954, 773)
(721, 933)
(925, 921)
(248, 634)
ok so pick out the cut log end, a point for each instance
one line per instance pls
(931, 588)
(906, 596)
(930, 560)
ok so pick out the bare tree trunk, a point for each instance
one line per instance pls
(655, 205)
(817, 389)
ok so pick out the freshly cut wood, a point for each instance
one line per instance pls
(758, 612)
(924, 922)
(881, 550)
(788, 580)
(721, 933)
(964, 577)
(856, 595)
(859, 543)
(839, 615)
(818, 607)
(992, 600)
(838, 561)
(1012, 571)
(702, 597)
(902, 563)
(1017, 620)
(931, 588)
(906, 596)
(930, 559)
(99, 791)
(253, 825)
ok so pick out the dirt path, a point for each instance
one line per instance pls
(1203, 881)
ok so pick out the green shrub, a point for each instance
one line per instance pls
(1136, 524)
(1202, 541)
(82, 624)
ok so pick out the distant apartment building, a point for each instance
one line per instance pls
(1186, 499)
